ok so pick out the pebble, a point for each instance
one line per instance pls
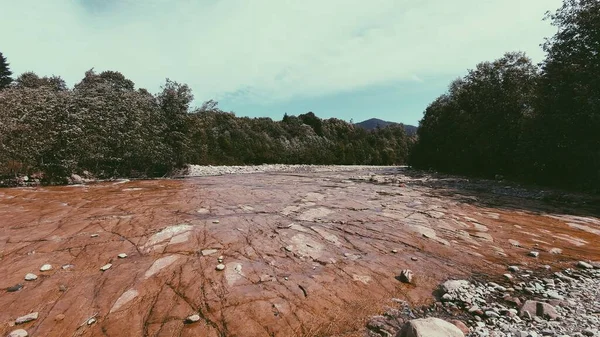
(215, 221)
(122, 255)
(91, 321)
(534, 254)
(106, 267)
(192, 318)
(94, 235)
(508, 276)
(27, 318)
(46, 267)
(220, 266)
(59, 317)
(585, 265)
(414, 258)
(394, 251)
(67, 266)
(406, 276)
(30, 277)
(14, 288)
(18, 333)
(513, 268)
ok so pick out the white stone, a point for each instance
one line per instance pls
(27, 318)
(430, 327)
(583, 264)
(46, 267)
(534, 254)
(122, 255)
(106, 267)
(94, 235)
(18, 333)
(220, 266)
(193, 318)
(30, 277)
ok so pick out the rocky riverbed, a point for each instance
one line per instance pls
(293, 251)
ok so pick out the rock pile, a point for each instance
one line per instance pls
(560, 304)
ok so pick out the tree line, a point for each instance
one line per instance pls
(105, 127)
(534, 123)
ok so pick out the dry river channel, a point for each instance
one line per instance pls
(283, 253)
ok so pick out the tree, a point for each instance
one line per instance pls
(174, 102)
(5, 73)
(476, 127)
(569, 97)
(106, 80)
(32, 80)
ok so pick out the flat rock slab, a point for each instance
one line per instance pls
(294, 245)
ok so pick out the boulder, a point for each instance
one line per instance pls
(540, 309)
(430, 327)
(454, 285)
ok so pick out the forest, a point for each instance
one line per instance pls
(534, 123)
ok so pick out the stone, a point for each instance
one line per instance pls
(508, 276)
(514, 269)
(215, 221)
(589, 332)
(454, 285)
(27, 318)
(30, 277)
(18, 333)
(406, 276)
(220, 267)
(122, 256)
(94, 236)
(534, 254)
(46, 267)
(76, 179)
(192, 319)
(430, 327)
(414, 258)
(461, 326)
(394, 251)
(62, 288)
(555, 251)
(91, 321)
(14, 288)
(59, 317)
(584, 265)
(67, 266)
(539, 309)
(514, 243)
(106, 267)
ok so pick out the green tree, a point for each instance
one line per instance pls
(568, 147)
(5, 73)
(32, 80)
(174, 101)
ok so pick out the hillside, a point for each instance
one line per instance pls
(371, 124)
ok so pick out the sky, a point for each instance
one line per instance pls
(348, 59)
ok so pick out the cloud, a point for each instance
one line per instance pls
(268, 50)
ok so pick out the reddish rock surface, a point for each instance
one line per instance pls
(305, 254)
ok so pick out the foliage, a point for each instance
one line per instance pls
(5, 73)
(512, 118)
(106, 127)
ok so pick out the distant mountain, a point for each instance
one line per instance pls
(372, 123)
